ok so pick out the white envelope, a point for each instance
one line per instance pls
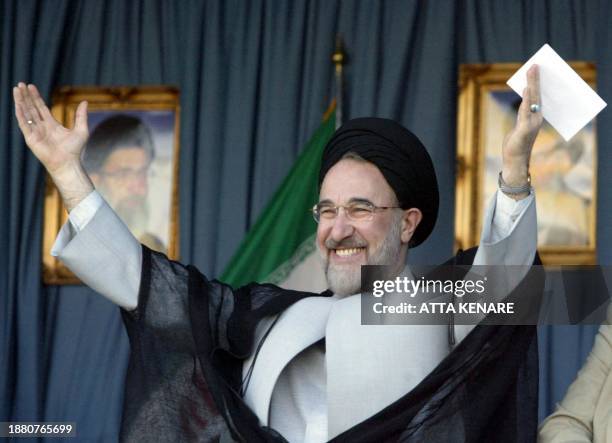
(568, 102)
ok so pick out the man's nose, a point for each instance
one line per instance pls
(342, 226)
(138, 185)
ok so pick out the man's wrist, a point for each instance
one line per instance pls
(73, 184)
(515, 173)
(515, 179)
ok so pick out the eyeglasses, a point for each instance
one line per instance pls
(125, 174)
(355, 211)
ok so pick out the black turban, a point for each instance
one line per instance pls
(400, 156)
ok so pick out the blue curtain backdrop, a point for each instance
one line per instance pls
(255, 78)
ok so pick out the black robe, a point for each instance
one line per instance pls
(189, 337)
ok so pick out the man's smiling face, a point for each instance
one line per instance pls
(344, 244)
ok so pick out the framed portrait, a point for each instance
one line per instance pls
(563, 174)
(131, 157)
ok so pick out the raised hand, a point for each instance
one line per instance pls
(58, 148)
(54, 145)
(517, 146)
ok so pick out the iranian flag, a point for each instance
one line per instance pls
(280, 247)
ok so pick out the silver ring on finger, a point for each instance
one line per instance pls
(534, 108)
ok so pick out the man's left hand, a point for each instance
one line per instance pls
(516, 150)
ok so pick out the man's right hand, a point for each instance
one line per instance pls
(58, 148)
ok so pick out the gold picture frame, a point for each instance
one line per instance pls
(564, 174)
(132, 156)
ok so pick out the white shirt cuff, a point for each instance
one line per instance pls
(506, 215)
(82, 213)
(510, 207)
(78, 218)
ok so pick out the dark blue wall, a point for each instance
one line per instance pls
(255, 78)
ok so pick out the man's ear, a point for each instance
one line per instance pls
(411, 219)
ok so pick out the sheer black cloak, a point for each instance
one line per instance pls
(189, 337)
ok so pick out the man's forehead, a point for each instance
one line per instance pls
(128, 154)
(350, 180)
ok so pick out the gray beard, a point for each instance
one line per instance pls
(346, 280)
(136, 218)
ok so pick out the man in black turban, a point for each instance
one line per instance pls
(401, 158)
(383, 168)
(263, 364)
